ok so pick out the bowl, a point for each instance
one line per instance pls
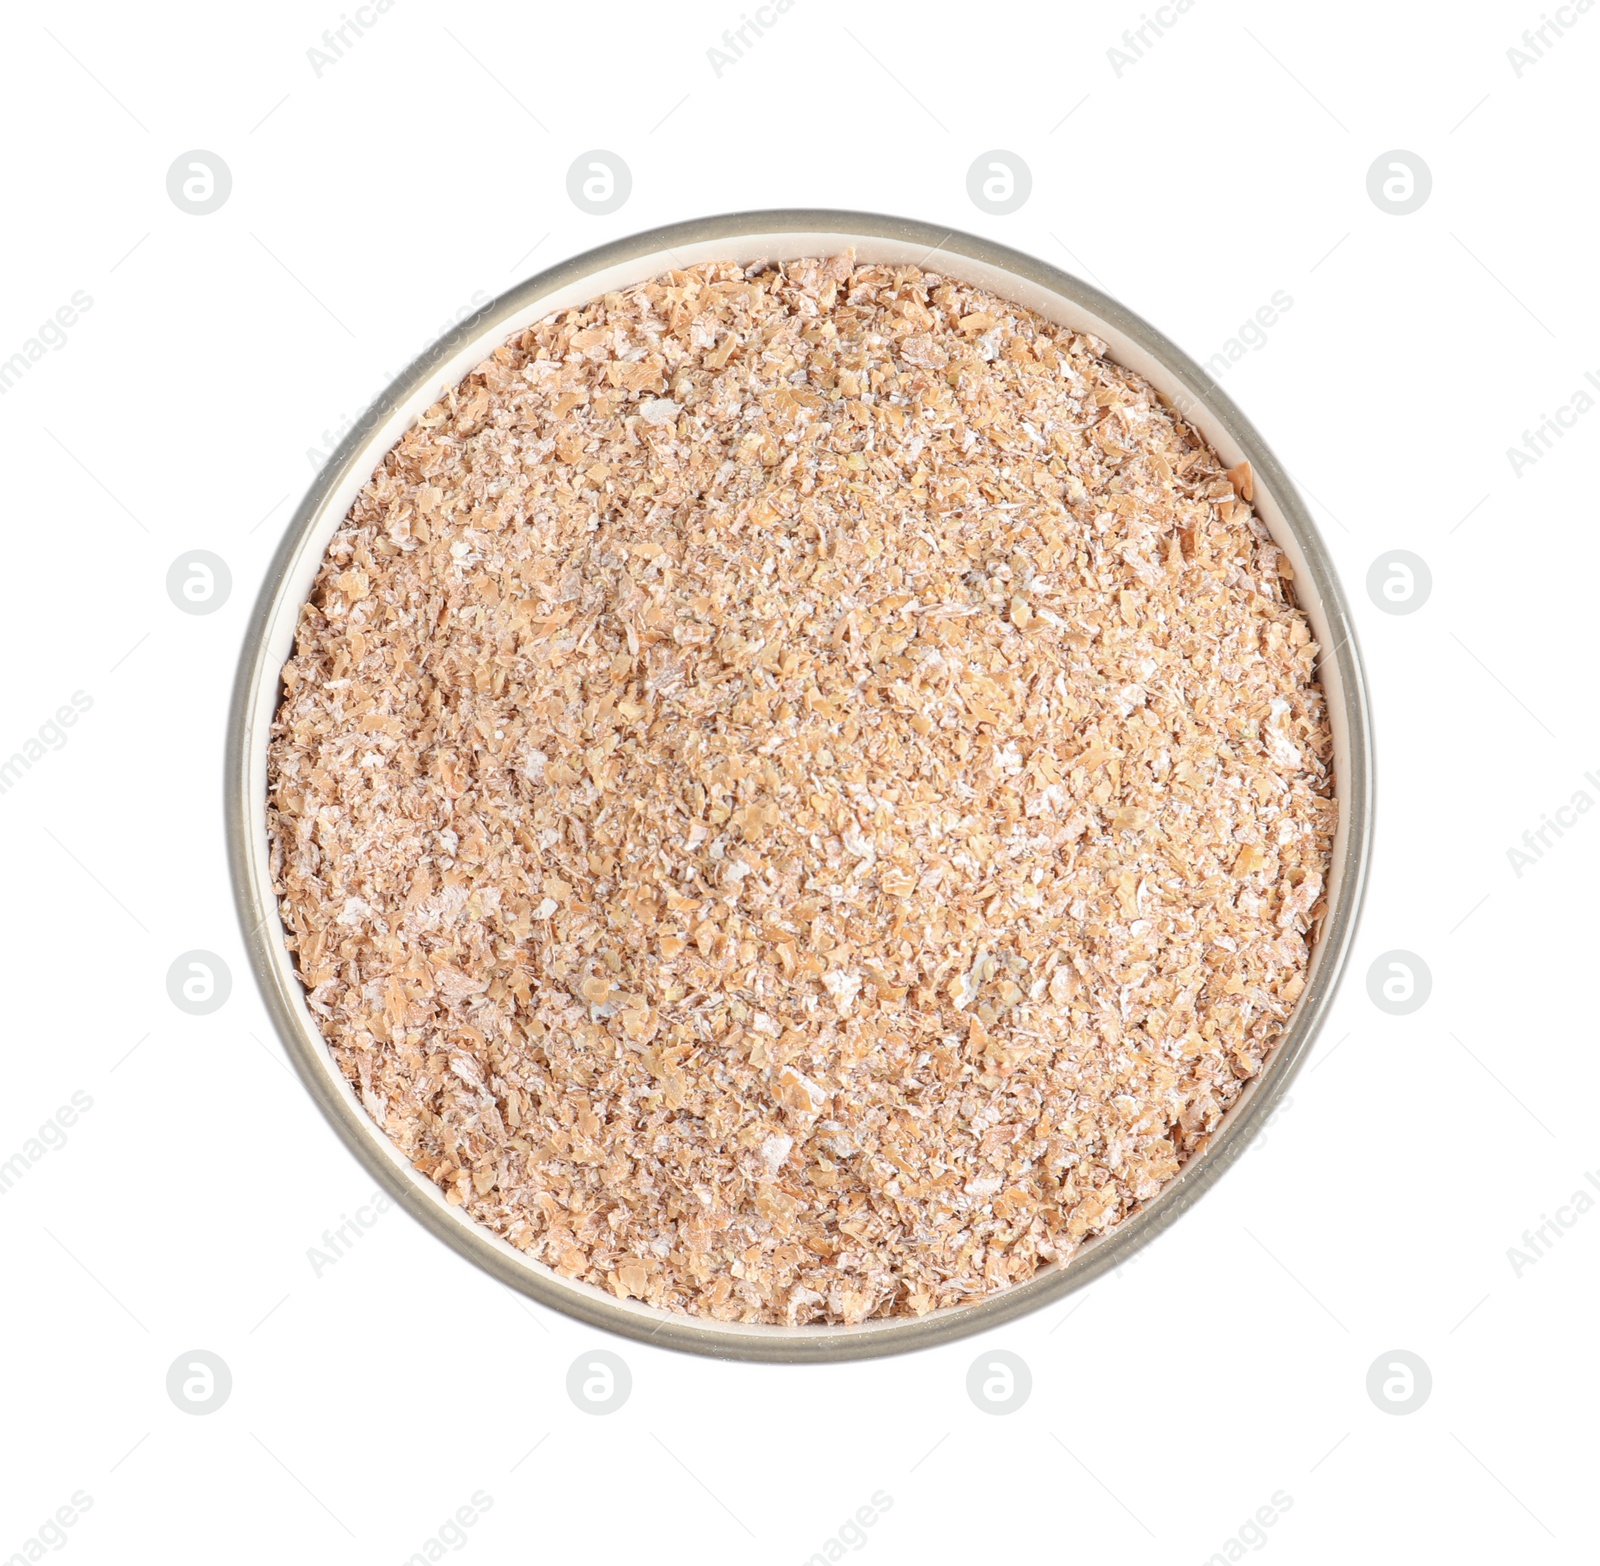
(747, 237)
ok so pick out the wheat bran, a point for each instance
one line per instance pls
(801, 793)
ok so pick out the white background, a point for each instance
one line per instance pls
(1229, 1361)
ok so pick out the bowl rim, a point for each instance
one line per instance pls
(256, 693)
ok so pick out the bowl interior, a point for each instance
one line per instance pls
(784, 236)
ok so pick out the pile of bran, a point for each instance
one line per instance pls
(801, 793)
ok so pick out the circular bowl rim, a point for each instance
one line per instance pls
(262, 930)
